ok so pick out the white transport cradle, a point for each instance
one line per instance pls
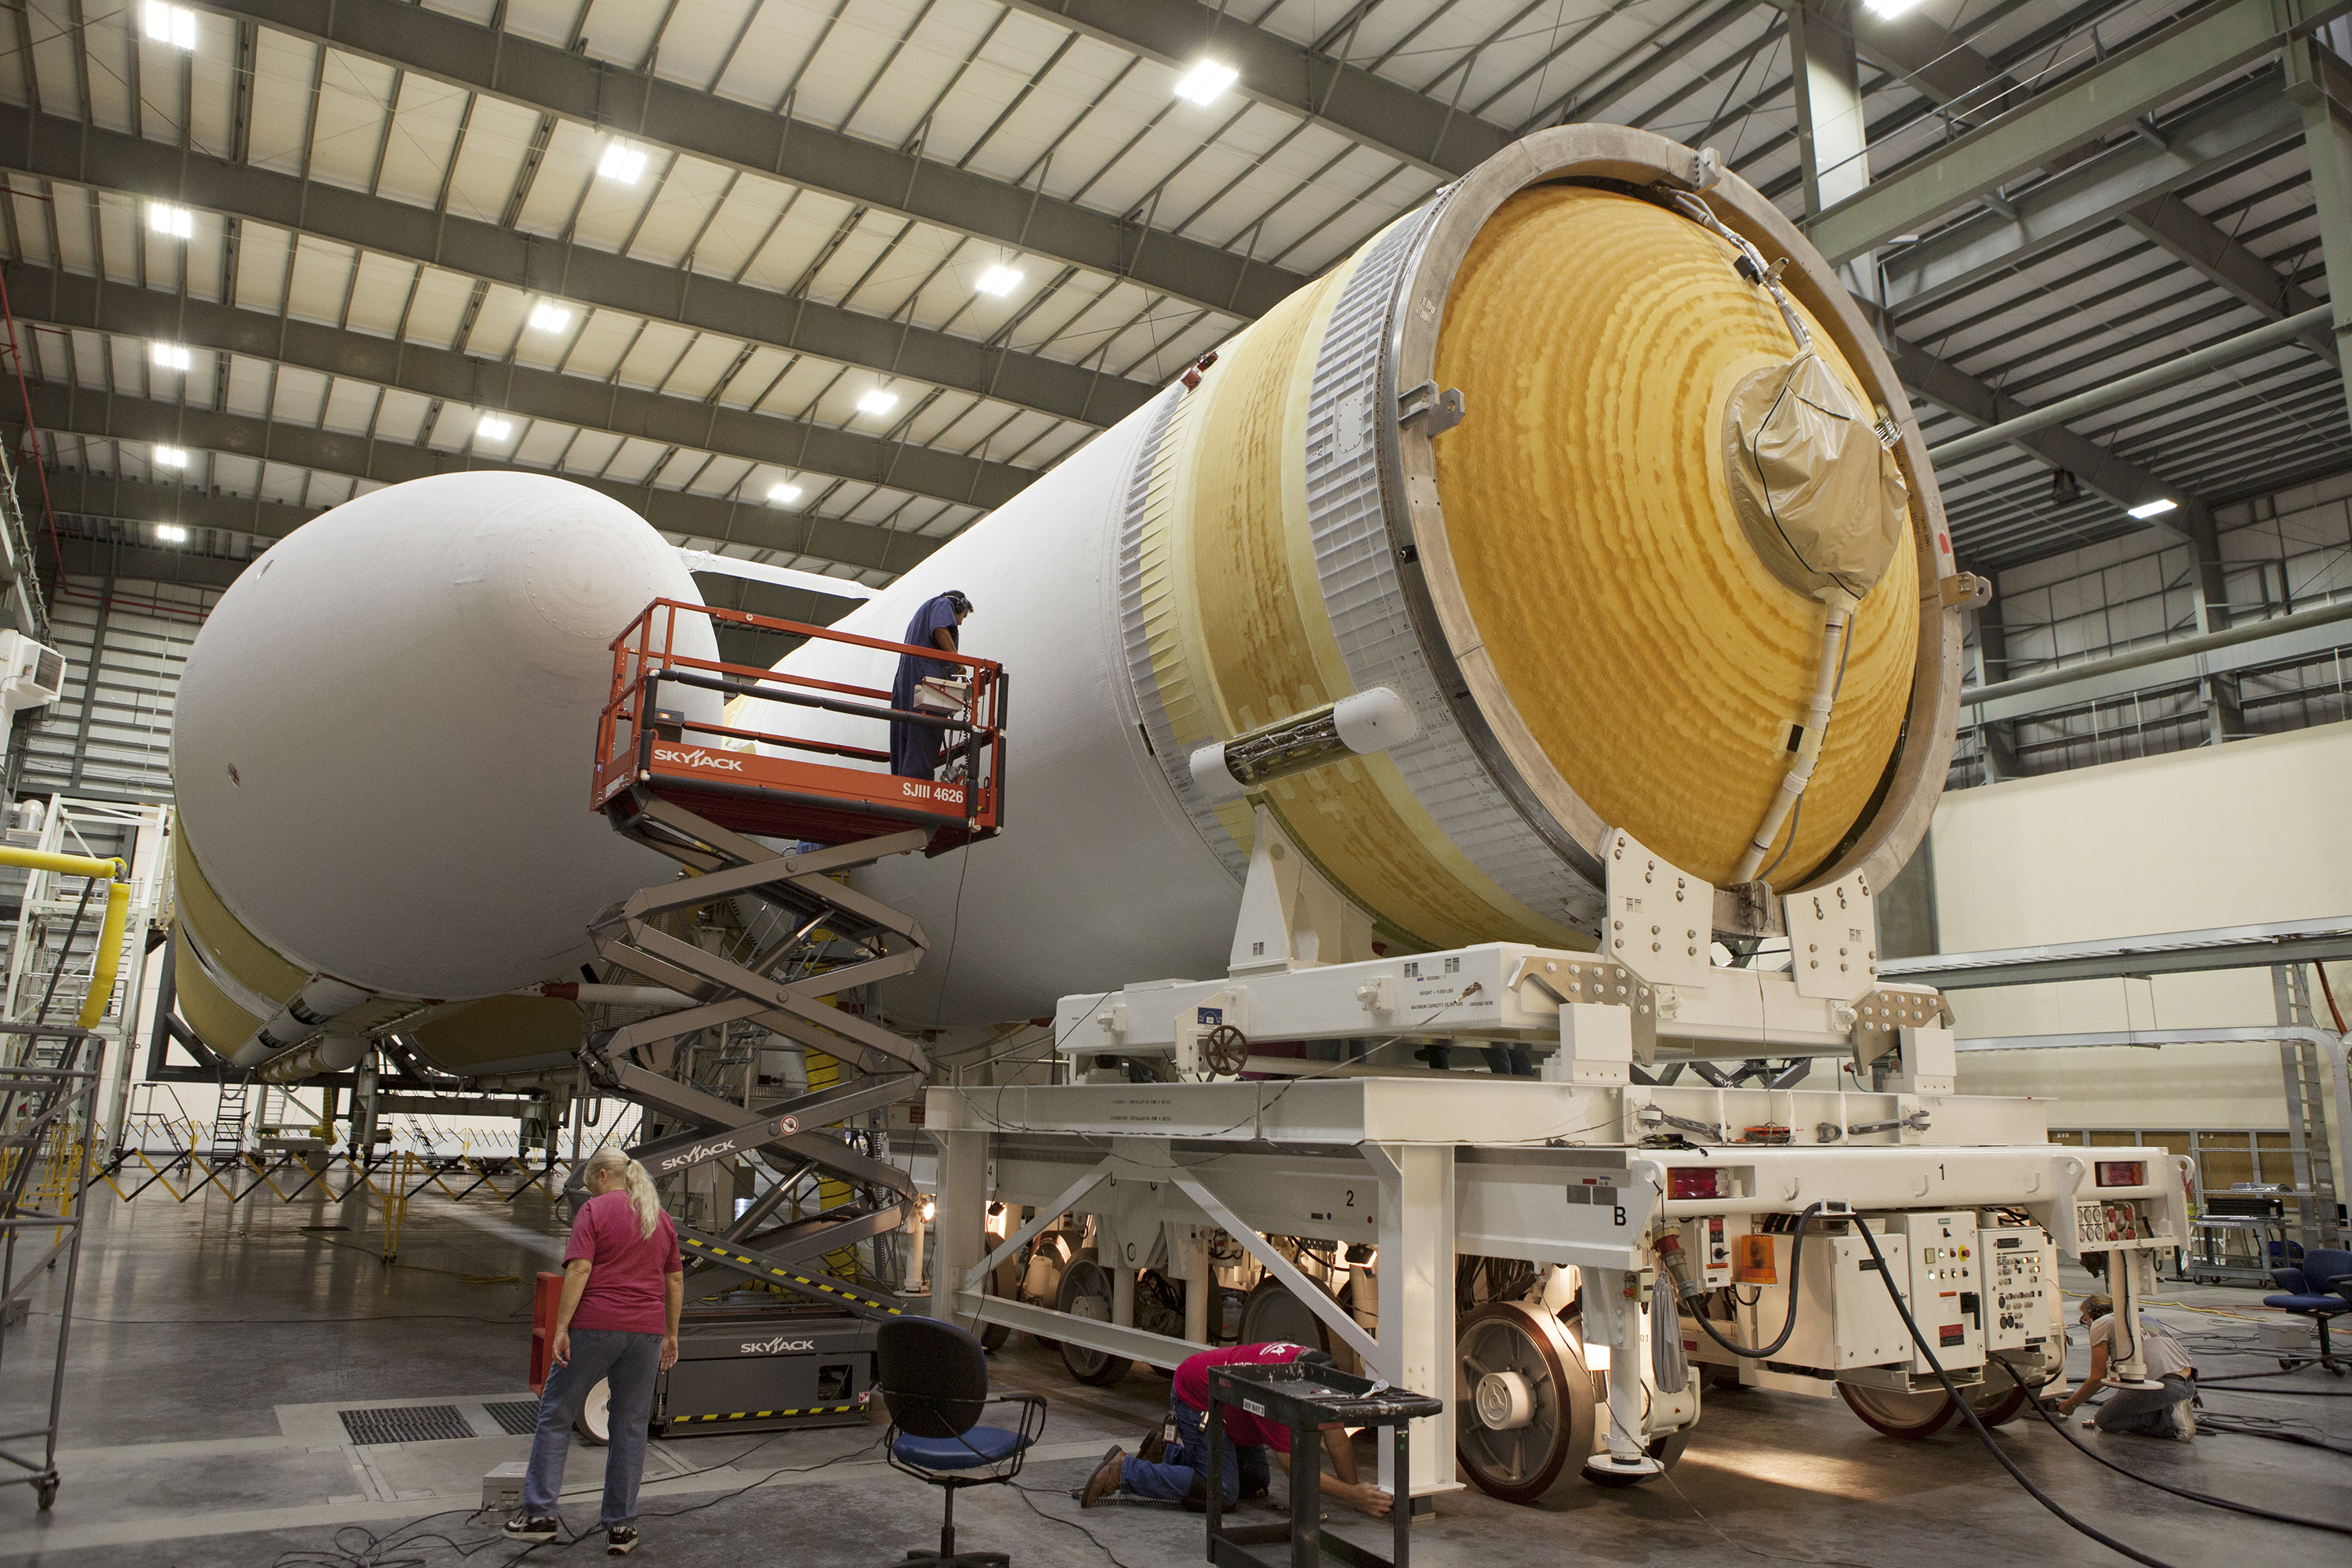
(1629, 1170)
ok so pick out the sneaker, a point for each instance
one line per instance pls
(1105, 1480)
(533, 1527)
(620, 1541)
(2184, 1422)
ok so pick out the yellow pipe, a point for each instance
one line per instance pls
(109, 956)
(110, 933)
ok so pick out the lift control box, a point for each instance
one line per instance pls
(2018, 1286)
(1944, 1254)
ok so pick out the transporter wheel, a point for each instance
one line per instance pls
(1995, 1406)
(1270, 1312)
(1913, 1417)
(594, 1425)
(1524, 1400)
(1086, 1293)
(1002, 1282)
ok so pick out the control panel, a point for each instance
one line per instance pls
(2098, 1224)
(1707, 1243)
(2018, 1287)
(1947, 1293)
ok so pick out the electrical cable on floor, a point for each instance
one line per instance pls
(1116, 1560)
(2279, 1428)
(2058, 1426)
(1910, 1324)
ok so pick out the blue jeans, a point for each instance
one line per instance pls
(630, 1360)
(1177, 1476)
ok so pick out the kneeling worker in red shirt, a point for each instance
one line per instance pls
(1175, 1475)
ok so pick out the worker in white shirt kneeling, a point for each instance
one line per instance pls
(2168, 1410)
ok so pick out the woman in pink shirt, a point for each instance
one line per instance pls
(623, 1288)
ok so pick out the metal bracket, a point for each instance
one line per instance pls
(1443, 410)
(1964, 591)
(1654, 1116)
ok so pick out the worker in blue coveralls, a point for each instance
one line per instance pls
(914, 747)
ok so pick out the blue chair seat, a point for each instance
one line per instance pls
(2308, 1303)
(979, 1447)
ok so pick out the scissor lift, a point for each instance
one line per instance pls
(707, 795)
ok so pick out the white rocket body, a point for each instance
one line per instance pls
(385, 729)
(1099, 877)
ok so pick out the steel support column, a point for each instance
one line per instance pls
(1416, 1296)
(960, 1214)
(1831, 132)
(2322, 85)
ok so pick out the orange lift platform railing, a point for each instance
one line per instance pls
(781, 784)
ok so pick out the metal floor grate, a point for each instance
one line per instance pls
(516, 1417)
(405, 1424)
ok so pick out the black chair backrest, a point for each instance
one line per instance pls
(933, 1376)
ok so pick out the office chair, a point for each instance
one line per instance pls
(2320, 1289)
(933, 1377)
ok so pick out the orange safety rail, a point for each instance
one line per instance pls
(769, 782)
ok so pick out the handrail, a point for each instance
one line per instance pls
(109, 931)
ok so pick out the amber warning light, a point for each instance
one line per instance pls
(2122, 1172)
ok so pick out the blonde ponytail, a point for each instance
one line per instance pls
(634, 1180)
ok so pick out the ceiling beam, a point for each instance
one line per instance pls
(77, 493)
(2196, 240)
(86, 559)
(44, 295)
(2123, 482)
(2119, 90)
(1289, 76)
(652, 111)
(132, 166)
(2089, 195)
(118, 417)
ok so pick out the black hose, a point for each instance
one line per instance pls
(1911, 1325)
(2059, 1426)
(1762, 1352)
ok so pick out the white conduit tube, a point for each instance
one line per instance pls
(592, 995)
(1808, 737)
(305, 1015)
(330, 1053)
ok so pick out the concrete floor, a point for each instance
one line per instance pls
(212, 1346)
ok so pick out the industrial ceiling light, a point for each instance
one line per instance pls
(491, 427)
(171, 533)
(171, 357)
(175, 223)
(877, 402)
(2155, 508)
(998, 280)
(548, 318)
(621, 162)
(1887, 10)
(173, 24)
(1206, 82)
(171, 456)
(783, 495)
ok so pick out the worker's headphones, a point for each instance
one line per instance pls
(957, 601)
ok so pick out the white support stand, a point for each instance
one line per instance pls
(1292, 916)
(1416, 1298)
(961, 1211)
(1619, 1322)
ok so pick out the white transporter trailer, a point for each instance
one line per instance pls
(1636, 1173)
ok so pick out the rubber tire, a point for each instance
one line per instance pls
(1001, 1284)
(1667, 1450)
(594, 1425)
(1089, 1280)
(1543, 1344)
(1271, 1312)
(1913, 1423)
(1996, 1408)
(48, 1492)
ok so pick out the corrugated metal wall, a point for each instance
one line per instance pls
(109, 735)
